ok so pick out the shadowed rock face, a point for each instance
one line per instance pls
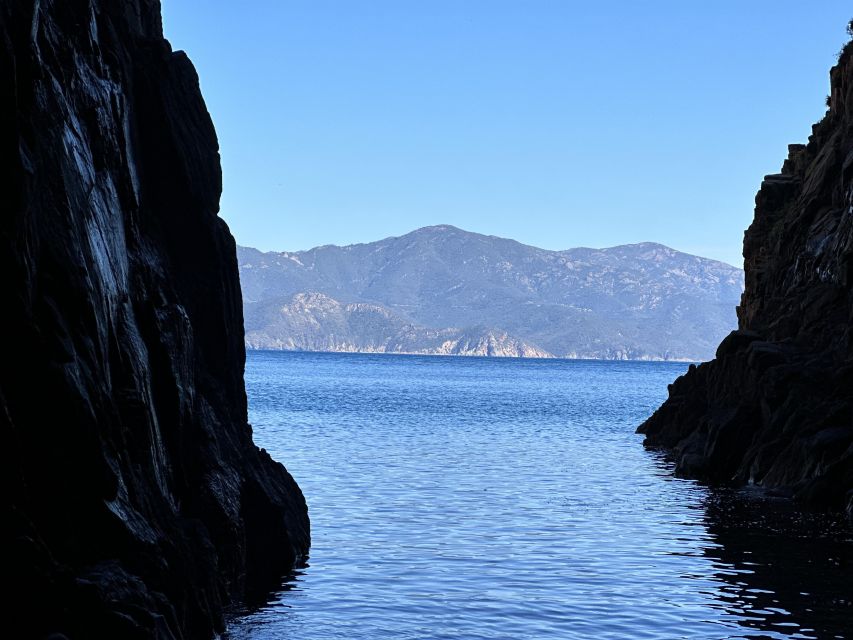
(775, 407)
(134, 502)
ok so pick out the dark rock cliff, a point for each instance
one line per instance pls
(134, 502)
(775, 408)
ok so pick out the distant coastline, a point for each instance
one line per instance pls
(474, 355)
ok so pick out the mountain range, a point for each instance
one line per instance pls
(442, 290)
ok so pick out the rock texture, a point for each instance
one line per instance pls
(315, 322)
(134, 502)
(638, 302)
(775, 408)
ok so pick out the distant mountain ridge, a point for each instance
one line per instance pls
(444, 290)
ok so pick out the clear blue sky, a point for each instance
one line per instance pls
(553, 122)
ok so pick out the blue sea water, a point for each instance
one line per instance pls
(477, 498)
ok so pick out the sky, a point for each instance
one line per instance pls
(557, 123)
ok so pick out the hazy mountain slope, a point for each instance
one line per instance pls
(636, 301)
(315, 322)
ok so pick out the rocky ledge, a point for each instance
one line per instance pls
(135, 504)
(775, 408)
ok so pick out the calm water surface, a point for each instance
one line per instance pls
(473, 498)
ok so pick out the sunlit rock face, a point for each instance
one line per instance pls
(316, 322)
(134, 502)
(634, 302)
(775, 406)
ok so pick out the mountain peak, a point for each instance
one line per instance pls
(440, 228)
(642, 301)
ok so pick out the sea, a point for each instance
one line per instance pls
(487, 498)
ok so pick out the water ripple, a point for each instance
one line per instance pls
(494, 499)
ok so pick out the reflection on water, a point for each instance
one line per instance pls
(484, 499)
(782, 570)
